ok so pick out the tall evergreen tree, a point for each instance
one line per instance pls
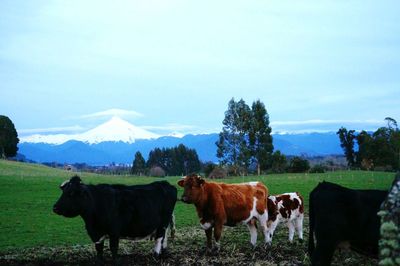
(155, 158)
(363, 156)
(347, 143)
(8, 138)
(244, 123)
(138, 165)
(232, 145)
(260, 136)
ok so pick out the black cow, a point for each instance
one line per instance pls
(339, 215)
(120, 211)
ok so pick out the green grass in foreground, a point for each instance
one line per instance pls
(28, 192)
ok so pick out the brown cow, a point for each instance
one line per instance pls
(219, 204)
(288, 207)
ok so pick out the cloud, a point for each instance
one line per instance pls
(112, 112)
(75, 128)
(325, 122)
(171, 127)
(180, 129)
(322, 125)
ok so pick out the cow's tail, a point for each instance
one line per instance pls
(311, 245)
(172, 226)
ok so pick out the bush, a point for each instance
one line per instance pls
(279, 162)
(208, 167)
(318, 168)
(218, 172)
(157, 171)
(386, 168)
(298, 165)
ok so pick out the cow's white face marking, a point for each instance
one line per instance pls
(64, 183)
(253, 183)
(205, 226)
(273, 198)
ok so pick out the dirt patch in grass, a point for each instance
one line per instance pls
(188, 248)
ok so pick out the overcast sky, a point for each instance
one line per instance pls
(174, 65)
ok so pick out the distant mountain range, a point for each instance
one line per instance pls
(117, 141)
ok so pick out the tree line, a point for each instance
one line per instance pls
(179, 160)
(378, 150)
(245, 146)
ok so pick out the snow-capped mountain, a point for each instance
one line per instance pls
(117, 141)
(116, 129)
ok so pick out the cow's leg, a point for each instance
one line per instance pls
(172, 227)
(253, 233)
(114, 242)
(159, 237)
(165, 240)
(209, 238)
(291, 230)
(157, 247)
(99, 250)
(271, 231)
(299, 226)
(263, 219)
(217, 234)
(323, 253)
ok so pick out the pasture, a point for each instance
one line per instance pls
(30, 233)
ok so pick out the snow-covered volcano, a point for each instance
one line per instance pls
(115, 129)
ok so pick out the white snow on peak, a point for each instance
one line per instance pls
(116, 129)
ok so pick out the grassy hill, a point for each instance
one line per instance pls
(28, 192)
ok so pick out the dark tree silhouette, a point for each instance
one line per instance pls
(260, 136)
(347, 143)
(138, 165)
(8, 138)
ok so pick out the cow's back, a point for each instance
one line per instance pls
(134, 211)
(343, 214)
(149, 206)
(237, 200)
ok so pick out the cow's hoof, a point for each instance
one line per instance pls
(267, 245)
(212, 251)
(301, 240)
(99, 262)
(156, 255)
(215, 250)
(209, 251)
(165, 252)
(116, 261)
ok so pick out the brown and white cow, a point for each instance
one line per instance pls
(288, 207)
(220, 204)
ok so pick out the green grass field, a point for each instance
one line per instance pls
(28, 192)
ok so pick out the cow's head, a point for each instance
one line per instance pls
(73, 197)
(192, 188)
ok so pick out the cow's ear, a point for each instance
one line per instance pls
(181, 182)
